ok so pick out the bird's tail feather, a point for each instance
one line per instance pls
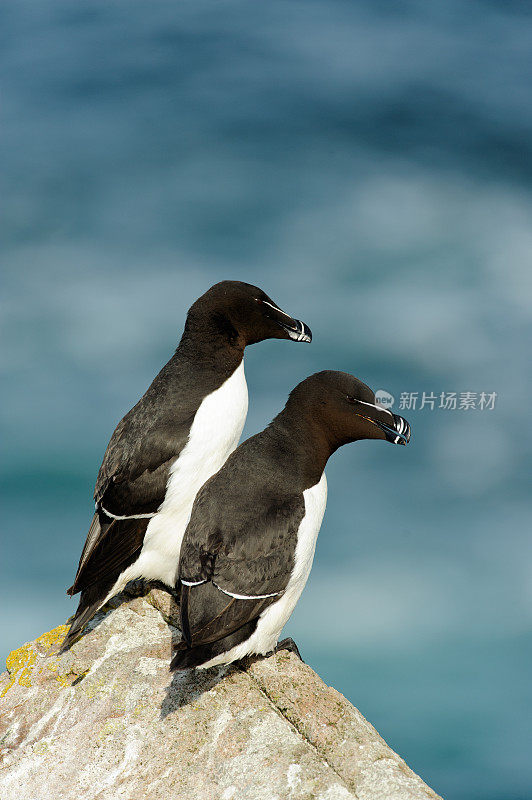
(186, 657)
(98, 528)
(92, 599)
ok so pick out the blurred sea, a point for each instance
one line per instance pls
(369, 165)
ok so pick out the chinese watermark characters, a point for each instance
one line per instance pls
(448, 401)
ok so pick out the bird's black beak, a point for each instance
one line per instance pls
(398, 433)
(295, 329)
(395, 428)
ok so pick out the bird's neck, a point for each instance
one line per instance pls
(210, 342)
(301, 444)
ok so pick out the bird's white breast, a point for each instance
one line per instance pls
(213, 436)
(315, 502)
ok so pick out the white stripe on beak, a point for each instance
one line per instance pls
(276, 309)
(374, 405)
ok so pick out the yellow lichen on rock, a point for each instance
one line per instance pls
(24, 657)
(19, 664)
(6, 688)
(56, 635)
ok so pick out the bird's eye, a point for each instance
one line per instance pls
(350, 398)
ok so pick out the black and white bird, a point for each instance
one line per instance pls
(178, 435)
(248, 548)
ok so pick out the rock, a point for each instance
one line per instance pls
(107, 720)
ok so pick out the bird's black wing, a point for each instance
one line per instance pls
(134, 472)
(131, 483)
(236, 560)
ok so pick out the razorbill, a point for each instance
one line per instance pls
(248, 548)
(178, 435)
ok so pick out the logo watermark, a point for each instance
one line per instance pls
(384, 398)
(447, 401)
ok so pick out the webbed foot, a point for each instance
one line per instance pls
(290, 645)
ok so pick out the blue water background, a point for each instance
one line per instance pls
(369, 165)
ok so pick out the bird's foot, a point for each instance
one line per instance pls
(286, 644)
(290, 645)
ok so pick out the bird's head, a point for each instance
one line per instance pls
(344, 409)
(246, 315)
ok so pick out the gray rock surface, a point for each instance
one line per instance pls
(106, 720)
